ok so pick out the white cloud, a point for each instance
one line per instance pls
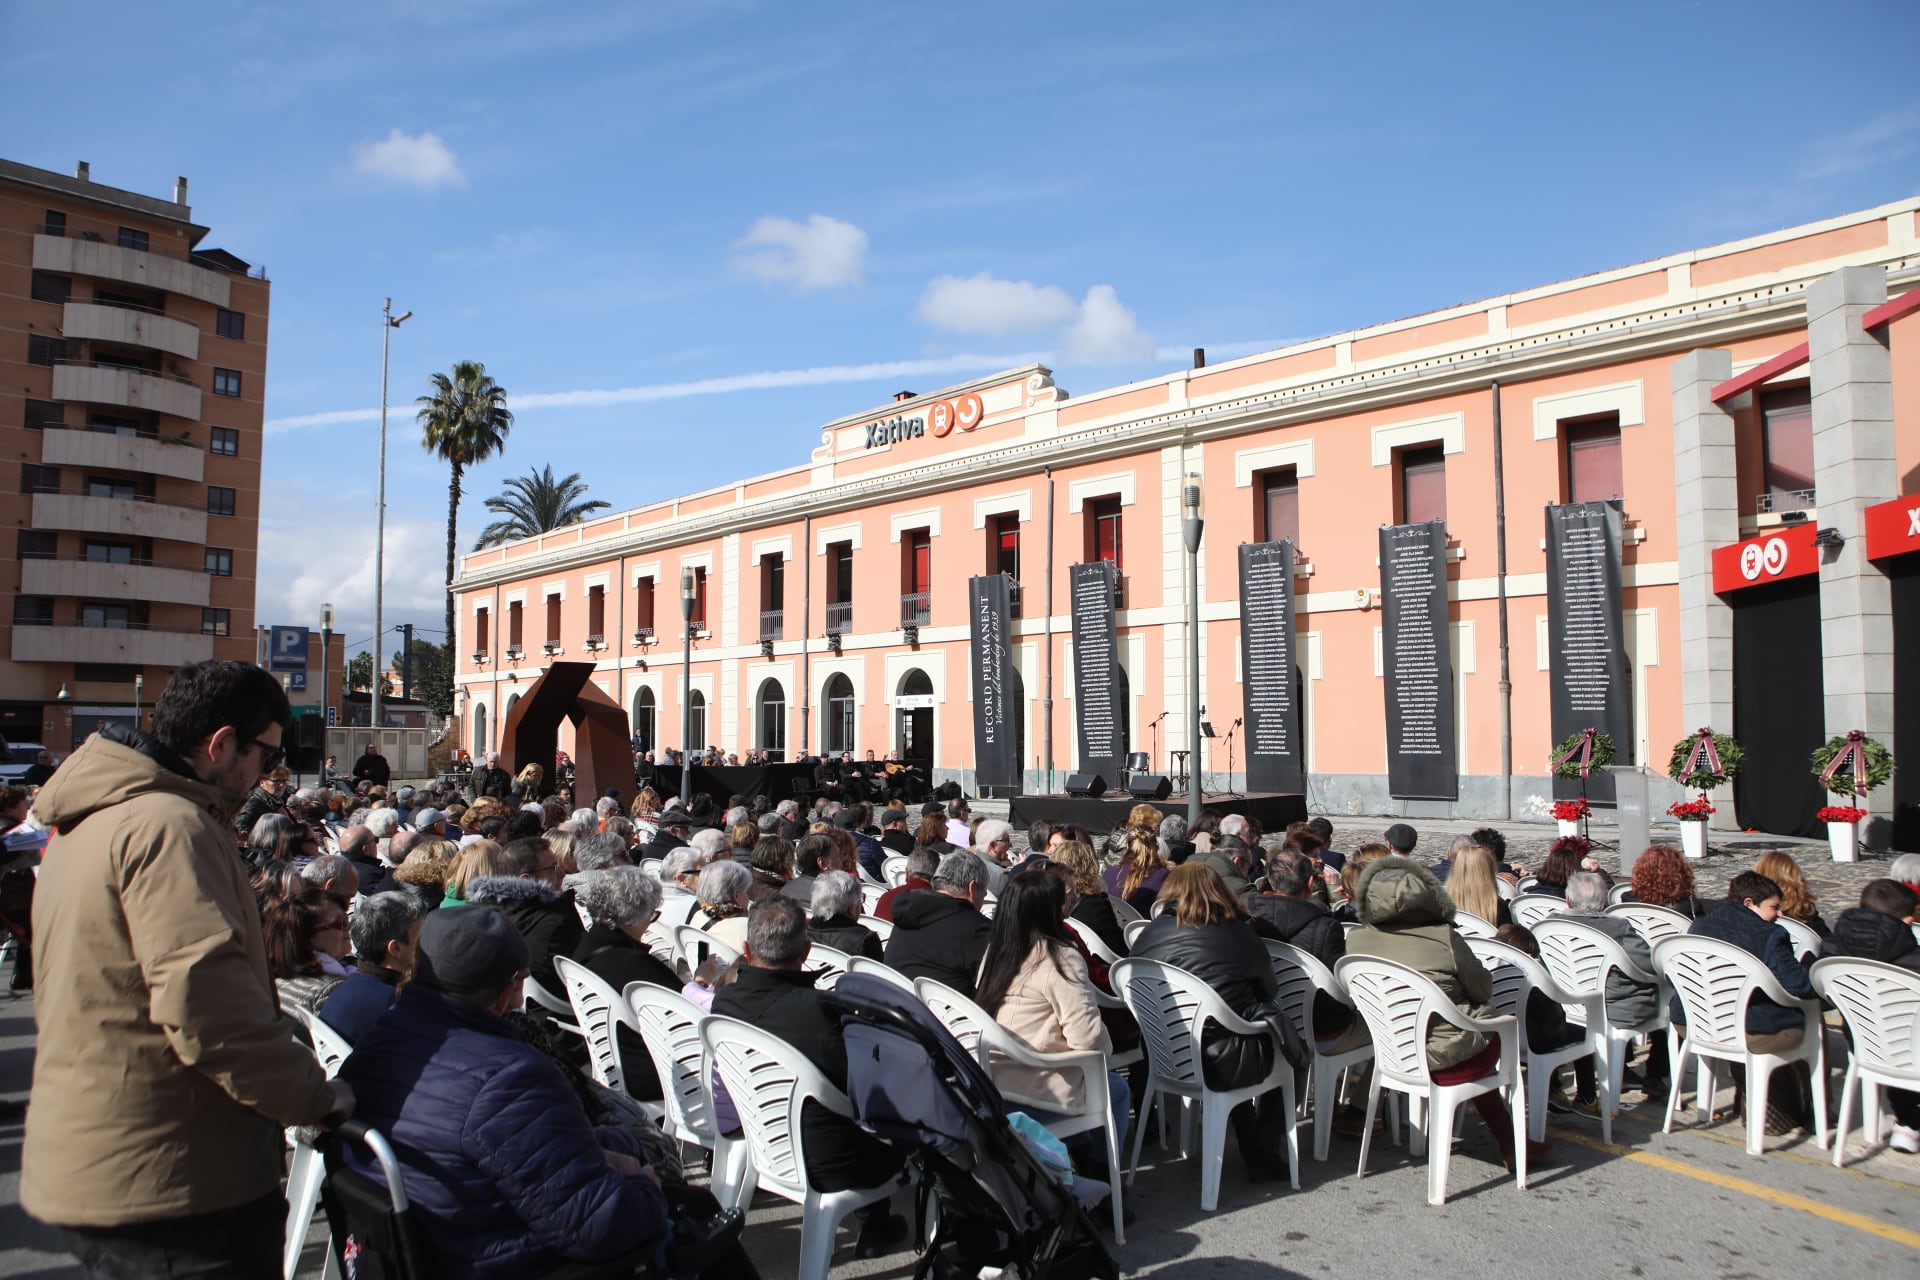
(1106, 331)
(1884, 140)
(881, 371)
(820, 253)
(1099, 329)
(294, 582)
(986, 304)
(419, 160)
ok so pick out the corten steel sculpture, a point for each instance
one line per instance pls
(603, 744)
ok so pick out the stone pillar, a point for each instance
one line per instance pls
(1851, 371)
(1707, 515)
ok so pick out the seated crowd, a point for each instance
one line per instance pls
(415, 923)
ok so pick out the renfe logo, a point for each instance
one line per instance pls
(1770, 557)
(965, 412)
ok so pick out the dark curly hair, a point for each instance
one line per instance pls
(1661, 876)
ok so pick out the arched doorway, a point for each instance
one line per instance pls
(645, 718)
(511, 699)
(479, 731)
(836, 727)
(697, 731)
(913, 704)
(770, 719)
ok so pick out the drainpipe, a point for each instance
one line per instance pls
(1046, 732)
(620, 643)
(1500, 587)
(806, 627)
(494, 645)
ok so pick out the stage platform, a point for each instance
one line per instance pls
(1271, 809)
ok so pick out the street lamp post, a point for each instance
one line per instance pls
(1191, 525)
(326, 639)
(686, 690)
(139, 686)
(388, 323)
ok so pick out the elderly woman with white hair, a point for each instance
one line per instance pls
(722, 912)
(835, 912)
(383, 823)
(623, 902)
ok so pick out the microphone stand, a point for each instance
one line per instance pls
(1155, 726)
(1230, 732)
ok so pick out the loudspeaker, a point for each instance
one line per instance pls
(1149, 786)
(1086, 785)
(310, 730)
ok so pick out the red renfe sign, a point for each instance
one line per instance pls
(1773, 556)
(1893, 528)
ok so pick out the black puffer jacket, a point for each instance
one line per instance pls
(1306, 924)
(939, 937)
(1867, 934)
(1228, 956)
(546, 918)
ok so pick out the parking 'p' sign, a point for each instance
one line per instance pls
(287, 649)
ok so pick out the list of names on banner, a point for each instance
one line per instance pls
(996, 756)
(1416, 640)
(1587, 627)
(1093, 661)
(1266, 620)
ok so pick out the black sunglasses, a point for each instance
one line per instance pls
(270, 757)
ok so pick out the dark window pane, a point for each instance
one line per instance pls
(33, 611)
(596, 611)
(219, 500)
(215, 622)
(109, 553)
(35, 544)
(1280, 505)
(47, 287)
(1786, 431)
(44, 350)
(220, 562)
(131, 239)
(38, 479)
(230, 324)
(514, 615)
(643, 605)
(1594, 472)
(56, 223)
(226, 382)
(1423, 484)
(225, 442)
(44, 413)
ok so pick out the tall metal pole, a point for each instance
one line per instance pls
(326, 640)
(1191, 526)
(686, 689)
(388, 323)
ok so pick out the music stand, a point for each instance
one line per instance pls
(1206, 731)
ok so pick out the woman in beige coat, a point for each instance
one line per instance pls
(1035, 985)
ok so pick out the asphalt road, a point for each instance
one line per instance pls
(1691, 1204)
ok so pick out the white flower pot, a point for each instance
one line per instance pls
(1693, 839)
(1844, 839)
(1568, 826)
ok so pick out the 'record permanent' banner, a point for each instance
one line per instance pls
(1417, 662)
(996, 708)
(1586, 641)
(1267, 668)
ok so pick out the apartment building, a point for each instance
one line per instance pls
(132, 378)
(1745, 418)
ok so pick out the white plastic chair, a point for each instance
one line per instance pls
(305, 1171)
(651, 866)
(1398, 1004)
(1173, 1008)
(881, 929)
(1123, 912)
(693, 945)
(1302, 977)
(1881, 1003)
(535, 994)
(1580, 957)
(769, 1081)
(828, 962)
(1131, 930)
(1469, 925)
(885, 972)
(987, 1040)
(1100, 949)
(669, 1025)
(1506, 888)
(596, 1006)
(870, 894)
(1714, 981)
(1805, 942)
(1618, 894)
(1655, 924)
(1530, 909)
(893, 869)
(329, 1046)
(1516, 975)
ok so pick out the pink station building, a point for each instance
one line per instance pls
(1754, 407)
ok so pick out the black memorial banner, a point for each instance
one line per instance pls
(1417, 662)
(1586, 640)
(1099, 694)
(1274, 752)
(996, 708)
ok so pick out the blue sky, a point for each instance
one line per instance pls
(635, 213)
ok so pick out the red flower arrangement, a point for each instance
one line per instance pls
(1691, 810)
(1840, 813)
(1570, 810)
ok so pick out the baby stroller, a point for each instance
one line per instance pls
(995, 1204)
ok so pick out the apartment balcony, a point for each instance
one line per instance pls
(131, 326)
(105, 580)
(75, 447)
(127, 517)
(110, 384)
(840, 618)
(75, 255)
(916, 608)
(773, 624)
(132, 645)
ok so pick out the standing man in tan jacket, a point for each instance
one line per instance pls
(164, 1071)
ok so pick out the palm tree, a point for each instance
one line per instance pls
(537, 503)
(464, 421)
